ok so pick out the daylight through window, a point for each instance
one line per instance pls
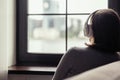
(54, 26)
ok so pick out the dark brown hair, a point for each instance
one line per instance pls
(106, 29)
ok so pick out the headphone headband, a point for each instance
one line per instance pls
(88, 27)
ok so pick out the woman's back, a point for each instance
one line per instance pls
(78, 60)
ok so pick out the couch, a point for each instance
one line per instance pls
(109, 71)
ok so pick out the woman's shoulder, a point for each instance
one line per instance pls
(77, 50)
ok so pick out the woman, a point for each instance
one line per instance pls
(103, 32)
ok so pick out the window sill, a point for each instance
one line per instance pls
(31, 70)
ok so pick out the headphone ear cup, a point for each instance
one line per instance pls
(87, 30)
(90, 31)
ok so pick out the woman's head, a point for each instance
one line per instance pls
(104, 28)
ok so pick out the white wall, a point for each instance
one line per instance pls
(3, 40)
(7, 36)
(11, 22)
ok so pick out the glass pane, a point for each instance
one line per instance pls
(86, 6)
(46, 6)
(46, 34)
(76, 36)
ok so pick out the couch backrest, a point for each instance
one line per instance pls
(107, 72)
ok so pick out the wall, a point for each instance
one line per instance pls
(3, 40)
(7, 36)
(115, 6)
(11, 22)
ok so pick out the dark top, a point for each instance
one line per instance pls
(78, 60)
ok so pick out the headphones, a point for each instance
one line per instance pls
(88, 32)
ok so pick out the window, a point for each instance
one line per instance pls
(46, 29)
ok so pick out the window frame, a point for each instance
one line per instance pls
(22, 56)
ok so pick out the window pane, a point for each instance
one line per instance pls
(46, 34)
(76, 36)
(46, 6)
(86, 6)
